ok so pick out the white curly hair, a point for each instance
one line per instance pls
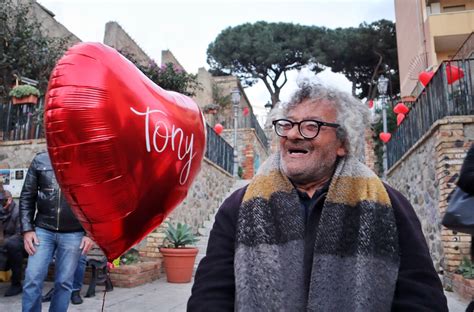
(352, 114)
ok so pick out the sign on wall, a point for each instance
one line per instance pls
(13, 180)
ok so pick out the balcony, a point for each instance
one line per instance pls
(439, 99)
(449, 30)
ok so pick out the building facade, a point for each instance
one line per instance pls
(428, 33)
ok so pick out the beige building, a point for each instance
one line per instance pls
(429, 32)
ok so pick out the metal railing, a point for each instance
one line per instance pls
(258, 130)
(219, 151)
(439, 99)
(246, 122)
(18, 121)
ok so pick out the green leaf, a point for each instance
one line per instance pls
(179, 235)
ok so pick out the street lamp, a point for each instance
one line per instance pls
(382, 85)
(268, 107)
(235, 98)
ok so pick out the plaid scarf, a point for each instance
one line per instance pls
(356, 254)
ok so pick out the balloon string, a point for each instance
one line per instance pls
(103, 300)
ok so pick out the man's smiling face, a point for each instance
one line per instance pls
(303, 160)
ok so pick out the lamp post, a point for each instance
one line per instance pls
(268, 107)
(382, 85)
(235, 98)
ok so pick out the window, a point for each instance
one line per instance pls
(454, 8)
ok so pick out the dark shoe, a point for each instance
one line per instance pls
(76, 297)
(48, 296)
(13, 290)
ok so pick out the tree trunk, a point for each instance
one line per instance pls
(371, 92)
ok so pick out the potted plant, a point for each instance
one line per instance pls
(179, 259)
(24, 94)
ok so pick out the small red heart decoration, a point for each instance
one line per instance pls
(401, 108)
(453, 73)
(385, 137)
(425, 77)
(400, 118)
(124, 151)
(218, 128)
(370, 103)
(245, 111)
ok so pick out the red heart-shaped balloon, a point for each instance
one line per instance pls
(385, 137)
(370, 103)
(218, 128)
(400, 108)
(425, 77)
(453, 73)
(124, 151)
(400, 118)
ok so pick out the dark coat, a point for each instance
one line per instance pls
(466, 175)
(11, 220)
(418, 286)
(41, 192)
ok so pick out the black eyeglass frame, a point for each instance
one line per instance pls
(293, 123)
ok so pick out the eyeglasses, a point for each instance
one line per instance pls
(309, 129)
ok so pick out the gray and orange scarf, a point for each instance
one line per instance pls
(356, 253)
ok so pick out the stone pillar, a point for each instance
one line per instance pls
(453, 140)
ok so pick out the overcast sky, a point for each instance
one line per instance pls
(187, 27)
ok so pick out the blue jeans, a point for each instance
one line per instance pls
(79, 274)
(67, 248)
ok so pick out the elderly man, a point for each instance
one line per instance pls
(13, 241)
(316, 230)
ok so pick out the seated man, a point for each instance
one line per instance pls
(13, 241)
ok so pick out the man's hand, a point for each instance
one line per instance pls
(86, 244)
(29, 241)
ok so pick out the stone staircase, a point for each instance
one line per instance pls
(203, 232)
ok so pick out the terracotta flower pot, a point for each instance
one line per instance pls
(179, 263)
(31, 99)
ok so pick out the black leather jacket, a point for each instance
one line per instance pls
(41, 188)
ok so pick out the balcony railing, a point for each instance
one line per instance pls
(439, 99)
(258, 130)
(18, 122)
(219, 151)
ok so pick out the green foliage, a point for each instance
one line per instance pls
(24, 50)
(240, 172)
(362, 54)
(171, 77)
(265, 51)
(179, 236)
(168, 76)
(22, 91)
(130, 257)
(466, 268)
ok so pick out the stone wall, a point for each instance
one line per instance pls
(116, 37)
(19, 154)
(50, 27)
(426, 175)
(415, 178)
(168, 57)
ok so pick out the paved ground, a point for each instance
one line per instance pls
(157, 296)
